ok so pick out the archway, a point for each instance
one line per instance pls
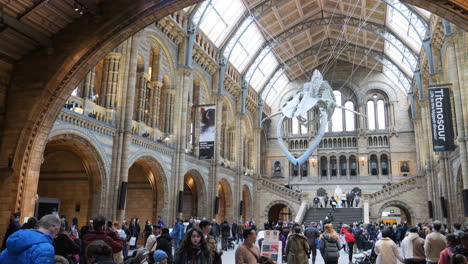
(225, 210)
(70, 179)
(194, 200)
(247, 203)
(396, 212)
(147, 192)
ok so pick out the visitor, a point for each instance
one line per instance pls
(161, 222)
(348, 199)
(63, 218)
(215, 229)
(165, 244)
(312, 233)
(412, 247)
(362, 241)
(100, 252)
(330, 245)
(13, 226)
(160, 257)
(129, 235)
(225, 232)
(193, 248)
(357, 200)
(30, 224)
(134, 231)
(148, 230)
(325, 200)
(31, 246)
(100, 232)
(386, 249)
(151, 243)
(87, 228)
(248, 252)
(350, 240)
(240, 232)
(234, 229)
(446, 255)
(333, 203)
(316, 201)
(177, 233)
(457, 230)
(139, 256)
(205, 227)
(434, 243)
(297, 248)
(281, 238)
(64, 246)
(211, 243)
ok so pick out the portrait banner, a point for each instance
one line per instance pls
(441, 120)
(207, 131)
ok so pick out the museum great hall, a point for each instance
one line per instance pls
(146, 108)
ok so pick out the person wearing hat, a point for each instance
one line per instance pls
(160, 257)
(152, 241)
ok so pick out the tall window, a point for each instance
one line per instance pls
(333, 166)
(323, 166)
(376, 112)
(343, 167)
(384, 164)
(374, 166)
(370, 115)
(337, 117)
(349, 116)
(352, 166)
(380, 114)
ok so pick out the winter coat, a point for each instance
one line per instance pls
(311, 233)
(193, 255)
(349, 237)
(234, 229)
(413, 247)
(240, 229)
(216, 229)
(387, 252)
(297, 249)
(112, 239)
(28, 246)
(225, 230)
(151, 243)
(65, 246)
(178, 232)
(12, 228)
(362, 242)
(330, 248)
(164, 243)
(433, 245)
(245, 256)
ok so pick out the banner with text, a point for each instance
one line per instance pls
(207, 131)
(441, 119)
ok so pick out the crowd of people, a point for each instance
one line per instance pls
(342, 200)
(53, 240)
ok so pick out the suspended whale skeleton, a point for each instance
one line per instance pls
(316, 94)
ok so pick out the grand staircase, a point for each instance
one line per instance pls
(393, 191)
(344, 215)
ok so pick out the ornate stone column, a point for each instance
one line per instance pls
(142, 77)
(89, 84)
(110, 80)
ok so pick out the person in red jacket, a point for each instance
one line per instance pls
(100, 232)
(350, 239)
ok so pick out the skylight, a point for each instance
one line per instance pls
(247, 46)
(261, 70)
(220, 18)
(278, 82)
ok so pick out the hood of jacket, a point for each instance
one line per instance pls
(413, 236)
(329, 238)
(26, 238)
(165, 236)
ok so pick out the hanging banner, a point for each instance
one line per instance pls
(207, 131)
(441, 119)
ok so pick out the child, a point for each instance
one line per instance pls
(160, 257)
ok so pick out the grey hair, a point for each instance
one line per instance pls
(47, 221)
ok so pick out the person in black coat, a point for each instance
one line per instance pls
(164, 243)
(30, 224)
(65, 246)
(225, 232)
(234, 229)
(362, 240)
(148, 230)
(13, 226)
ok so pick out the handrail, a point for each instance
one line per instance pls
(281, 190)
(395, 189)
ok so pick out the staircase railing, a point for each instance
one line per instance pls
(301, 212)
(395, 189)
(284, 192)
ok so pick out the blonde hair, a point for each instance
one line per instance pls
(330, 231)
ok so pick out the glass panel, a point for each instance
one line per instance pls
(337, 117)
(220, 18)
(303, 127)
(370, 115)
(246, 47)
(381, 114)
(295, 126)
(349, 116)
(323, 166)
(264, 70)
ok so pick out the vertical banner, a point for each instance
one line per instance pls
(441, 119)
(207, 131)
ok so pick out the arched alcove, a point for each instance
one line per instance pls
(406, 212)
(225, 209)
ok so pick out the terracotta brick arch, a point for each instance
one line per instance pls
(93, 162)
(409, 212)
(44, 79)
(158, 181)
(225, 209)
(200, 192)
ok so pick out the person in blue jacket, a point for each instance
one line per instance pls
(177, 233)
(31, 246)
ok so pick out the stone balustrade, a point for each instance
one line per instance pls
(149, 144)
(284, 192)
(86, 122)
(395, 189)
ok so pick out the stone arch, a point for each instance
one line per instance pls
(194, 182)
(166, 52)
(379, 87)
(272, 204)
(158, 182)
(206, 89)
(43, 93)
(83, 194)
(225, 206)
(248, 205)
(409, 212)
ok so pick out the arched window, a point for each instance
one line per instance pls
(352, 166)
(343, 167)
(337, 117)
(374, 166)
(370, 115)
(323, 166)
(333, 166)
(380, 114)
(305, 169)
(349, 117)
(384, 164)
(294, 170)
